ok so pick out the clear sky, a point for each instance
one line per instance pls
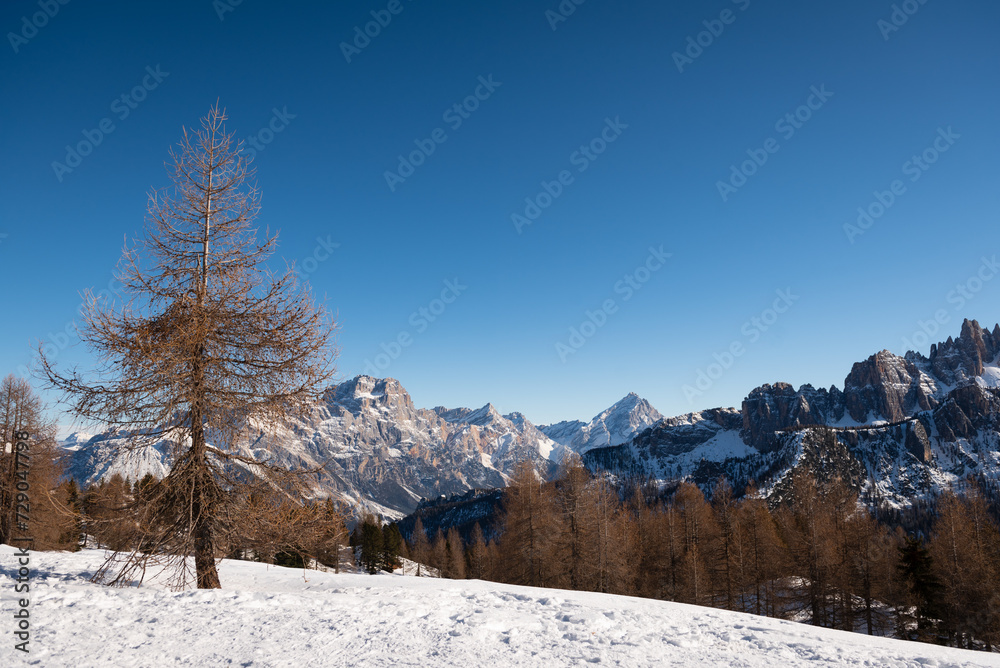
(620, 137)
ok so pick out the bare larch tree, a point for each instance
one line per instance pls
(207, 347)
(21, 410)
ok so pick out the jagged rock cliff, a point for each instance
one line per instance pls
(380, 452)
(902, 427)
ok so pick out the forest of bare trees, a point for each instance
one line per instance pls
(51, 499)
(209, 345)
(820, 558)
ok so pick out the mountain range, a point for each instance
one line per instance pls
(902, 428)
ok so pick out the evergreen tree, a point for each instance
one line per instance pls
(371, 545)
(916, 567)
(391, 542)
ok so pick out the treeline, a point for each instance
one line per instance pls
(377, 545)
(30, 484)
(820, 558)
(268, 524)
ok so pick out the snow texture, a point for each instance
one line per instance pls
(270, 616)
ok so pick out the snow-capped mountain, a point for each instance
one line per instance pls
(614, 426)
(902, 428)
(75, 441)
(375, 448)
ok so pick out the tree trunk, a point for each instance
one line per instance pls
(201, 492)
(204, 542)
(6, 495)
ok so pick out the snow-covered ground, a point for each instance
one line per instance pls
(268, 616)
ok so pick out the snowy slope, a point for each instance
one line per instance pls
(990, 377)
(268, 616)
(75, 441)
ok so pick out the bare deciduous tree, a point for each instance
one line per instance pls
(52, 519)
(208, 346)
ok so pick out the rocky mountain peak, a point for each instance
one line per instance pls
(959, 361)
(365, 392)
(487, 415)
(887, 386)
(770, 408)
(612, 426)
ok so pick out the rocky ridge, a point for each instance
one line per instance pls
(901, 427)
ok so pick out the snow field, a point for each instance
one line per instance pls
(270, 616)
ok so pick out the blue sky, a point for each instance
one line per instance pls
(619, 142)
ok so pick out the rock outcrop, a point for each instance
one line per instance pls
(772, 408)
(960, 360)
(888, 387)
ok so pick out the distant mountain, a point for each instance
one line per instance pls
(902, 427)
(614, 426)
(376, 448)
(75, 441)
